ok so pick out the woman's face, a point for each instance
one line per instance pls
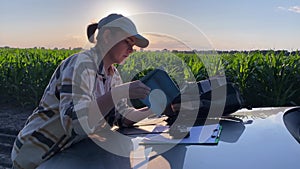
(121, 50)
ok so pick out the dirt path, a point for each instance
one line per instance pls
(12, 119)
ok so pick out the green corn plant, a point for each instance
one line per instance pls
(265, 79)
(277, 79)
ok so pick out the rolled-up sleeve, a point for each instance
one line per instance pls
(121, 108)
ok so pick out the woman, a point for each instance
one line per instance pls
(84, 94)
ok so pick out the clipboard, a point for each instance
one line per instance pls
(158, 135)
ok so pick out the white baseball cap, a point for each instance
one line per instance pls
(119, 21)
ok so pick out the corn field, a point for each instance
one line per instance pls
(269, 78)
(25, 73)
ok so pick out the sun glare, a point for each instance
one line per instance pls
(118, 11)
(119, 8)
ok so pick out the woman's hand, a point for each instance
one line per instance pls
(131, 90)
(138, 90)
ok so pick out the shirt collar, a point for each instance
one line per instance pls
(99, 62)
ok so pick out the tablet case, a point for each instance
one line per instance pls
(159, 79)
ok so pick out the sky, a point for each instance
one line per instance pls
(168, 24)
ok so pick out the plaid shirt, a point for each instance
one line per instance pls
(68, 102)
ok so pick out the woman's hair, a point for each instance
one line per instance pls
(91, 29)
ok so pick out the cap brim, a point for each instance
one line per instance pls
(141, 41)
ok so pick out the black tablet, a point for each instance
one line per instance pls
(163, 90)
